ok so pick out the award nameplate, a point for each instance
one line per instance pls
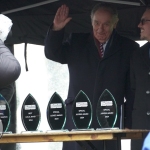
(82, 111)
(4, 114)
(30, 114)
(56, 112)
(106, 111)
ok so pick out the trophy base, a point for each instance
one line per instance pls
(8, 132)
(27, 132)
(91, 129)
(107, 128)
(50, 131)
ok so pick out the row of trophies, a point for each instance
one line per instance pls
(82, 112)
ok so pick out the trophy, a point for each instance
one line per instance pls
(106, 111)
(4, 114)
(30, 114)
(56, 112)
(82, 111)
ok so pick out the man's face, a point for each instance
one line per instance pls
(145, 26)
(103, 24)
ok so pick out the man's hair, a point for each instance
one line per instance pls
(105, 6)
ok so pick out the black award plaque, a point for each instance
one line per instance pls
(30, 114)
(82, 111)
(106, 110)
(56, 112)
(4, 113)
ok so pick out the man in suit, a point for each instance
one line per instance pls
(96, 61)
(140, 81)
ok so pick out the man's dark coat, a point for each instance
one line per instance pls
(140, 82)
(91, 74)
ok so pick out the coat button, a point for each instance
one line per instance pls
(147, 92)
(148, 113)
(148, 73)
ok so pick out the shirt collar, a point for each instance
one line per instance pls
(98, 43)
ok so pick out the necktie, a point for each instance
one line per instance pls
(101, 50)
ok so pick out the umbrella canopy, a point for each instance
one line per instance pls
(31, 18)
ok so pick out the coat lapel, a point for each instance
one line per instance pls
(113, 45)
(91, 46)
(111, 48)
(144, 54)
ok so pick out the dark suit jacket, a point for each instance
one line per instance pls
(91, 74)
(140, 82)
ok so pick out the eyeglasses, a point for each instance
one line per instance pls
(143, 21)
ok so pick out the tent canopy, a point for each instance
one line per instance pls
(31, 18)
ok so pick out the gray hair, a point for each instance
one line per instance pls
(105, 6)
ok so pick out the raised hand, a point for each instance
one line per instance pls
(61, 18)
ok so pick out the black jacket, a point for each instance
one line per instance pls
(91, 74)
(140, 81)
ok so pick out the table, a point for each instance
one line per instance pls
(60, 136)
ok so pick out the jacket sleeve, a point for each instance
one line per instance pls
(130, 94)
(9, 66)
(55, 48)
